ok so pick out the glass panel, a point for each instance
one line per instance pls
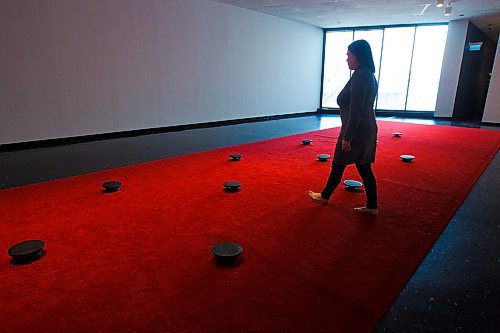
(374, 38)
(395, 69)
(329, 122)
(336, 72)
(426, 67)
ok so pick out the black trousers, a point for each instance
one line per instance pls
(366, 173)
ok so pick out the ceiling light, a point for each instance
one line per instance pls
(424, 9)
(447, 10)
(439, 3)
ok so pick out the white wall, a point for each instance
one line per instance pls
(73, 67)
(492, 107)
(450, 71)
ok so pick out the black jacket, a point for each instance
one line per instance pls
(358, 119)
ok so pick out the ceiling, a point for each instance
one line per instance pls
(356, 13)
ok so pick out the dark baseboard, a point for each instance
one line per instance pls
(405, 114)
(106, 136)
(387, 113)
(477, 124)
(485, 123)
(328, 111)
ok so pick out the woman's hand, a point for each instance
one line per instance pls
(346, 145)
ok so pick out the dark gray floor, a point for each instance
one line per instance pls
(43, 164)
(457, 286)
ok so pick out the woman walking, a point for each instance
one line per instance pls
(358, 136)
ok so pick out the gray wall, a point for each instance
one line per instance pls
(70, 67)
(450, 71)
(492, 107)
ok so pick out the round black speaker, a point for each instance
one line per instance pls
(227, 253)
(111, 186)
(26, 250)
(352, 185)
(235, 157)
(407, 158)
(232, 186)
(323, 157)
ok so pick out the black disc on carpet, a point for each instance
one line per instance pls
(235, 157)
(352, 185)
(232, 186)
(323, 157)
(26, 250)
(306, 142)
(112, 186)
(407, 158)
(227, 252)
(397, 134)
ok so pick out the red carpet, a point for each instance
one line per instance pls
(139, 259)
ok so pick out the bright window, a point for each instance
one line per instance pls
(374, 38)
(396, 62)
(426, 67)
(336, 71)
(407, 62)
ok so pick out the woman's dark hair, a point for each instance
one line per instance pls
(363, 52)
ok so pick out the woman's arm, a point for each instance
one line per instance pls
(358, 90)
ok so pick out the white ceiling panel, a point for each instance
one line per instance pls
(355, 13)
